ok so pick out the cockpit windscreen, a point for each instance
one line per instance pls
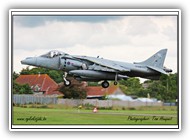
(53, 53)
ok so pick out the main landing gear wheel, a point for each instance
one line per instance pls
(105, 84)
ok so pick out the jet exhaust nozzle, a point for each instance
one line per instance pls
(167, 70)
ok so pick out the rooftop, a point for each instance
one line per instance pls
(99, 91)
(41, 81)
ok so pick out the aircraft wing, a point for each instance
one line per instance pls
(106, 64)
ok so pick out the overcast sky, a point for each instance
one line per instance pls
(122, 38)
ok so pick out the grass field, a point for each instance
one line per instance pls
(74, 116)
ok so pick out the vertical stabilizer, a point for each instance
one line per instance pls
(157, 60)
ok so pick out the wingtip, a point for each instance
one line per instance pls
(165, 49)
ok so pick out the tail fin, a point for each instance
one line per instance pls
(157, 60)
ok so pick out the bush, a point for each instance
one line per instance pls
(88, 106)
(105, 108)
(131, 108)
(123, 108)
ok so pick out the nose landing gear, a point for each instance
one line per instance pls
(66, 81)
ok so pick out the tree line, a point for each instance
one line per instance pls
(165, 89)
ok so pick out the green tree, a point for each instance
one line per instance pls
(25, 71)
(165, 89)
(57, 76)
(15, 75)
(143, 92)
(131, 86)
(156, 90)
(21, 89)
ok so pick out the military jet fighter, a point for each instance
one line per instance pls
(86, 68)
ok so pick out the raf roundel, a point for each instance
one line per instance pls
(68, 63)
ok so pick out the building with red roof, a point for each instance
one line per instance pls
(40, 83)
(98, 92)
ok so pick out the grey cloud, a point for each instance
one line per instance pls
(34, 21)
(138, 31)
(170, 32)
(141, 26)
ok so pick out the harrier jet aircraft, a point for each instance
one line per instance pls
(86, 68)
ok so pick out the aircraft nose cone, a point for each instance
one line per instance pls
(29, 61)
(23, 62)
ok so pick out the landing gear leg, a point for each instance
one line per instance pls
(115, 82)
(66, 81)
(105, 84)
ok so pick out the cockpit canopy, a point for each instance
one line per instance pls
(53, 53)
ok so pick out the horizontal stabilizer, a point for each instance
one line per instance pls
(157, 69)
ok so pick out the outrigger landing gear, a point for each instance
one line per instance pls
(115, 82)
(105, 84)
(66, 81)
